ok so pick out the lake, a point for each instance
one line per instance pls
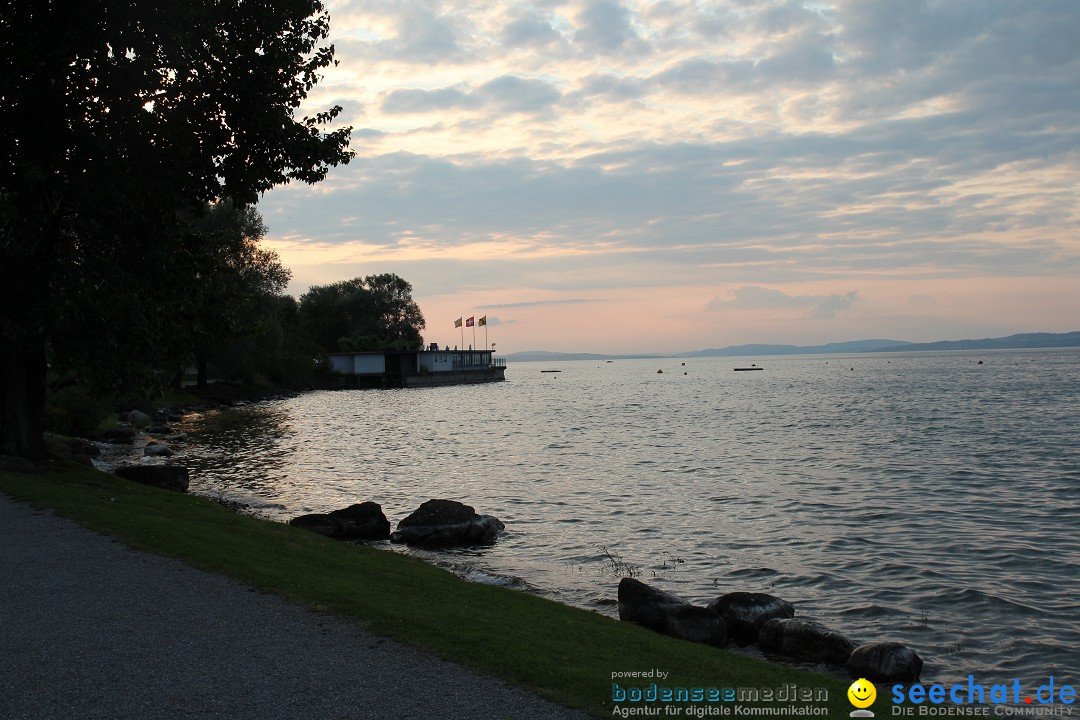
(919, 497)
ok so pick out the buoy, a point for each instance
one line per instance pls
(659, 371)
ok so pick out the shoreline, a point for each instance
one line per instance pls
(456, 564)
(122, 633)
(565, 653)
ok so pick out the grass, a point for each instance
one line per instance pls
(565, 654)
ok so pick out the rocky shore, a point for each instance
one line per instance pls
(746, 618)
(146, 448)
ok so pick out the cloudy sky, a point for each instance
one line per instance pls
(633, 176)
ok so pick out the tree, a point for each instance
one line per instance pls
(120, 120)
(238, 279)
(372, 313)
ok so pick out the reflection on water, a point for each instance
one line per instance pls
(922, 497)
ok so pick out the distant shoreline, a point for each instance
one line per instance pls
(1022, 341)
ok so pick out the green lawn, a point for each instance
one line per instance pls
(563, 653)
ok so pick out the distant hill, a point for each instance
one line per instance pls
(1012, 342)
(839, 347)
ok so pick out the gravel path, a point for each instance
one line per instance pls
(90, 628)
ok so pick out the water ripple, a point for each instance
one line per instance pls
(924, 499)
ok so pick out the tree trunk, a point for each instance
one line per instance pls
(22, 398)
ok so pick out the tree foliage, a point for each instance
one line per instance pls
(376, 312)
(120, 121)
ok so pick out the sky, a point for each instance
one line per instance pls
(619, 177)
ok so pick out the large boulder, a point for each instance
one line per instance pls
(117, 436)
(441, 523)
(156, 449)
(696, 624)
(139, 419)
(169, 477)
(669, 614)
(885, 662)
(645, 605)
(362, 521)
(804, 640)
(744, 613)
(321, 523)
(79, 446)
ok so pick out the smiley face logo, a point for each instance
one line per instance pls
(862, 693)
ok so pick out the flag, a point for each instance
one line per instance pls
(482, 321)
(457, 323)
(469, 322)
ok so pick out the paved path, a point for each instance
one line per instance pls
(90, 628)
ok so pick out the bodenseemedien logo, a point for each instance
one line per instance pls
(862, 694)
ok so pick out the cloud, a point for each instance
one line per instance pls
(835, 304)
(538, 303)
(773, 144)
(359, 133)
(528, 31)
(414, 100)
(511, 93)
(418, 34)
(921, 301)
(604, 26)
(612, 87)
(754, 297)
(506, 93)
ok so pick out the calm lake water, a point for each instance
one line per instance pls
(923, 498)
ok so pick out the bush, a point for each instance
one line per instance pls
(74, 411)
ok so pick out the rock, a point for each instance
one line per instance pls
(72, 449)
(169, 477)
(744, 613)
(118, 436)
(178, 437)
(696, 624)
(645, 605)
(138, 418)
(804, 640)
(159, 428)
(78, 446)
(154, 449)
(14, 463)
(669, 614)
(362, 521)
(446, 522)
(885, 662)
(318, 523)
